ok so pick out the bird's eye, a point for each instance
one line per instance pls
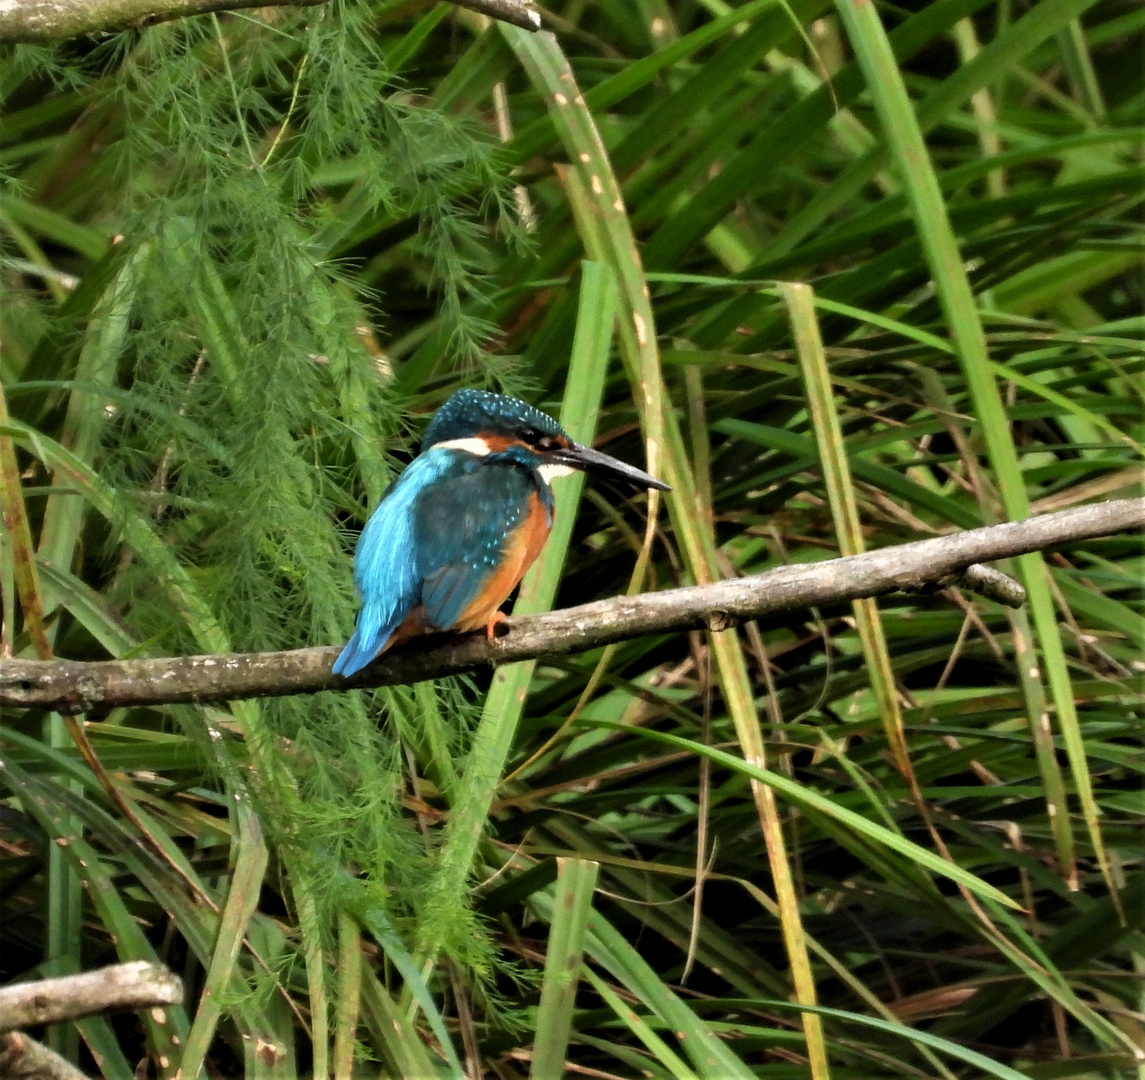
(538, 440)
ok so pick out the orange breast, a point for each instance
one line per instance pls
(521, 549)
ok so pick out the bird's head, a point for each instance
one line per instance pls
(482, 423)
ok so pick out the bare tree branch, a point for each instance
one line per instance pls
(54, 20)
(138, 985)
(22, 1058)
(926, 565)
(516, 12)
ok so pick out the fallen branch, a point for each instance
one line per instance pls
(71, 686)
(56, 20)
(138, 985)
(22, 1058)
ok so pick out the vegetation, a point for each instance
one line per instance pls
(244, 255)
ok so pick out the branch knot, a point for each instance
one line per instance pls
(717, 621)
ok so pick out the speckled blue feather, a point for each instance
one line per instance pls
(469, 412)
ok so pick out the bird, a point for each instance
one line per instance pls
(456, 531)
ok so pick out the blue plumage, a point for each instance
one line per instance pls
(435, 539)
(464, 524)
(468, 412)
(386, 564)
(455, 532)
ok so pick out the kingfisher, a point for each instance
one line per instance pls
(457, 530)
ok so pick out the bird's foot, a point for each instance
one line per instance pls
(491, 626)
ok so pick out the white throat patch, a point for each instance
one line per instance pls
(548, 472)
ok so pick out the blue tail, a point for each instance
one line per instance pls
(370, 637)
(386, 567)
(355, 656)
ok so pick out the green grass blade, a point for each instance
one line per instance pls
(314, 956)
(812, 800)
(845, 509)
(576, 881)
(40, 799)
(925, 1038)
(137, 532)
(242, 900)
(395, 1032)
(375, 921)
(89, 609)
(588, 364)
(607, 234)
(1010, 45)
(87, 410)
(672, 1062)
(100, 1039)
(904, 135)
(710, 1057)
(348, 996)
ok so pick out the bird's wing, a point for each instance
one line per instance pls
(436, 540)
(462, 528)
(385, 566)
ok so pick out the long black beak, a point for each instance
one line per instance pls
(590, 460)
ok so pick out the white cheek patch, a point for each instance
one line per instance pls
(548, 472)
(478, 447)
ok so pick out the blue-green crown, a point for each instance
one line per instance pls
(474, 412)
